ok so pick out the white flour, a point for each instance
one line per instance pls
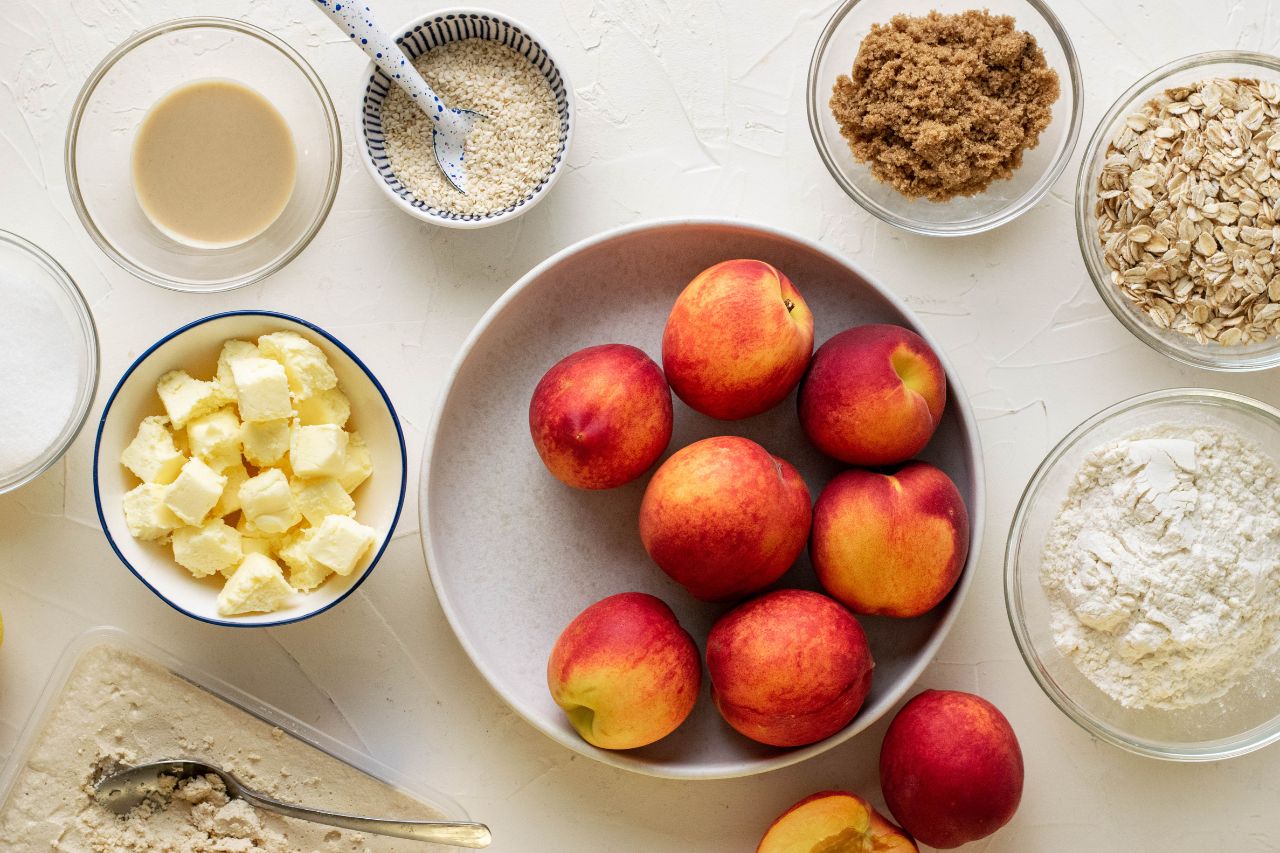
(1163, 567)
(40, 376)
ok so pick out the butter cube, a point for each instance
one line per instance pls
(330, 406)
(359, 466)
(265, 442)
(262, 389)
(317, 499)
(152, 456)
(304, 362)
(215, 438)
(232, 350)
(145, 514)
(229, 502)
(257, 586)
(208, 549)
(267, 502)
(185, 398)
(339, 543)
(253, 545)
(305, 574)
(318, 451)
(195, 491)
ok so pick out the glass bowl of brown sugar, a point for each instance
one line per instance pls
(942, 117)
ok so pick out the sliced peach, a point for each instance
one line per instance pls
(834, 822)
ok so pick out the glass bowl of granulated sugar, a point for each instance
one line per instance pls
(48, 361)
(1142, 575)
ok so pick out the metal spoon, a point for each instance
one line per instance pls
(125, 790)
(450, 126)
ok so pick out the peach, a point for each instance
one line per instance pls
(950, 768)
(873, 395)
(601, 416)
(625, 672)
(737, 340)
(832, 822)
(724, 517)
(788, 668)
(890, 544)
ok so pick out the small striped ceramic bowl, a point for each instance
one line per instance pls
(416, 38)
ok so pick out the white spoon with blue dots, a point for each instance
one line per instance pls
(450, 126)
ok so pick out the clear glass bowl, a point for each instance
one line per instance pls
(1247, 717)
(1004, 200)
(116, 98)
(19, 257)
(1175, 345)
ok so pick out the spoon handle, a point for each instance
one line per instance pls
(357, 20)
(457, 833)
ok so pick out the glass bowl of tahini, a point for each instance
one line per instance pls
(1140, 575)
(203, 154)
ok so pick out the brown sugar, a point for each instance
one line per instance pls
(942, 105)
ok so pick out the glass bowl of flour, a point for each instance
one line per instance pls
(1142, 575)
(48, 361)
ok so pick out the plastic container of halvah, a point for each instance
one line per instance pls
(114, 698)
(48, 361)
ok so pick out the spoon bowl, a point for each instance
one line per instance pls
(124, 790)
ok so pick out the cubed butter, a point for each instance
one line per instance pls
(358, 466)
(253, 545)
(152, 456)
(208, 549)
(232, 350)
(265, 442)
(305, 574)
(236, 476)
(195, 491)
(318, 451)
(145, 514)
(185, 398)
(317, 499)
(262, 389)
(339, 543)
(257, 586)
(303, 362)
(215, 438)
(267, 502)
(330, 406)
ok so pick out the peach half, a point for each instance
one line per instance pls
(834, 822)
(737, 340)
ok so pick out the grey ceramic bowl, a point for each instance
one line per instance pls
(515, 555)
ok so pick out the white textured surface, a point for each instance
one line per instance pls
(685, 107)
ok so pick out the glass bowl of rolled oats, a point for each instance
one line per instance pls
(1178, 210)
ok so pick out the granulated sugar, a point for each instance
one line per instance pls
(39, 371)
(507, 154)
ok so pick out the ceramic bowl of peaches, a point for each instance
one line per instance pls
(738, 496)
(249, 469)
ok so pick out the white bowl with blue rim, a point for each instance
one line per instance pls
(194, 348)
(430, 31)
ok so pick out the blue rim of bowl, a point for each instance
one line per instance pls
(953, 602)
(968, 227)
(72, 171)
(395, 419)
(373, 153)
(1013, 583)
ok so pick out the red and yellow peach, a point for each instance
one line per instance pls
(625, 672)
(738, 340)
(834, 822)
